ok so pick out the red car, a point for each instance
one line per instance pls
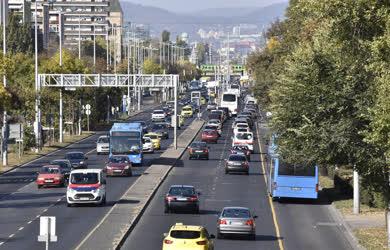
(51, 175)
(118, 165)
(210, 136)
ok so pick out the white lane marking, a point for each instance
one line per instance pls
(1, 243)
(37, 216)
(45, 210)
(59, 199)
(12, 235)
(90, 151)
(29, 222)
(21, 228)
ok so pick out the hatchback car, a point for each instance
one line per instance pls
(236, 221)
(237, 163)
(198, 150)
(78, 159)
(118, 165)
(156, 139)
(181, 197)
(51, 175)
(147, 145)
(210, 136)
(103, 145)
(181, 237)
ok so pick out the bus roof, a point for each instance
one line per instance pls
(134, 126)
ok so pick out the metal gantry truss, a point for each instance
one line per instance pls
(107, 80)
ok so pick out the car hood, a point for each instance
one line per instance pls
(76, 161)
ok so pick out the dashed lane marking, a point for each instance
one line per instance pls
(21, 228)
(29, 222)
(1, 243)
(12, 235)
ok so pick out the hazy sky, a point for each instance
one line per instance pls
(193, 5)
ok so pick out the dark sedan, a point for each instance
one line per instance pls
(77, 159)
(241, 150)
(237, 163)
(198, 150)
(65, 165)
(160, 128)
(181, 197)
(118, 165)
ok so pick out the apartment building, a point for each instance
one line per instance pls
(115, 19)
(21, 8)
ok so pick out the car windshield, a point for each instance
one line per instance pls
(118, 159)
(208, 127)
(153, 136)
(237, 158)
(244, 136)
(185, 234)
(104, 140)
(50, 170)
(183, 191)
(235, 213)
(198, 145)
(229, 98)
(75, 156)
(62, 164)
(84, 178)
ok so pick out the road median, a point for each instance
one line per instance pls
(113, 229)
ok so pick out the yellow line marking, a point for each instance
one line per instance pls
(274, 217)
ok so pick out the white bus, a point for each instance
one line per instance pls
(230, 100)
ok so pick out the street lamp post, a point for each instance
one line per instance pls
(79, 37)
(37, 89)
(5, 136)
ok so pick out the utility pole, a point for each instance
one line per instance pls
(79, 37)
(37, 89)
(356, 192)
(61, 139)
(128, 73)
(4, 145)
(107, 51)
(94, 48)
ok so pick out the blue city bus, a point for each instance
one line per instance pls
(290, 180)
(126, 139)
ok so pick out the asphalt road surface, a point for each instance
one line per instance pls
(21, 203)
(302, 224)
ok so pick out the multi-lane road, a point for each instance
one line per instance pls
(21, 203)
(300, 224)
(290, 224)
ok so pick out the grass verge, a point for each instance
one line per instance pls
(14, 160)
(372, 238)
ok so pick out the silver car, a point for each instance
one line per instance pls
(236, 221)
(103, 145)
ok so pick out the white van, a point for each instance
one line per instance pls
(230, 100)
(243, 138)
(86, 186)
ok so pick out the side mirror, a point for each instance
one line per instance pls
(212, 236)
(165, 235)
(255, 217)
(86, 158)
(199, 193)
(104, 181)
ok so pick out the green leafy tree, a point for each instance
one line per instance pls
(151, 67)
(19, 38)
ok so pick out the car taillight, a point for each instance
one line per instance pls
(205, 150)
(222, 222)
(168, 241)
(249, 222)
(317, 188)
(170, 198)
(246, 164)
(194, 198)
(202, 243)
(250, 143)
(191, 151)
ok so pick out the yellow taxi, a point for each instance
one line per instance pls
(187, 111)
(186, 237)
(203, 100)
(156, 139)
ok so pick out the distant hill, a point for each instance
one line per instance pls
(160, 19)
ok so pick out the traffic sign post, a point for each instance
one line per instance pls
(47, 230)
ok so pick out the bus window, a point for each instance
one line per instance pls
(295, 170)
(229, 98)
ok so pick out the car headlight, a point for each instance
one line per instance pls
(127, 167)
(57, 178)
(108, 167)
(97, 190)
(71, 190)
(41, 179)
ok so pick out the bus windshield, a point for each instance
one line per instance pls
(124, 145)
(229, 98)
(295, 170)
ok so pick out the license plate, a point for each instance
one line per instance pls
(236, 223)
(118, 171)
(296, 188)
(48, 180)
(199, 151)
(181, 199)
(84, 199)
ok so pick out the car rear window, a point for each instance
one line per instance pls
(198, 144)
(158, 112)
(237, 158)
(103, 140)
(184, 234)
(236, 213)
(184, 191)
(187, 109)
